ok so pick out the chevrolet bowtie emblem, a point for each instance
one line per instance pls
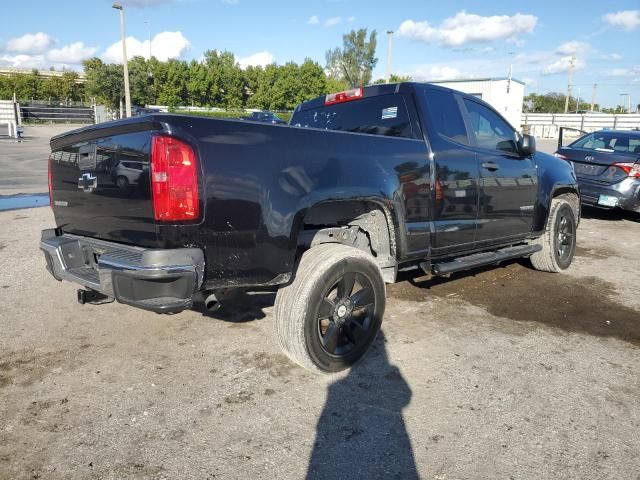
(87, 182)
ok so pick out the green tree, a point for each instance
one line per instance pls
(393, 78)
(553, 102)
(228, 79)
(104, 82)
(140, 81)
(355, 61)
(173, 87)
(199, 84)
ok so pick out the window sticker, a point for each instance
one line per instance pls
(391, 112)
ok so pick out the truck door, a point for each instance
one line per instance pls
(455, 190)
(508, 180)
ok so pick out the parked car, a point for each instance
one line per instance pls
(607, 165)
(361, 185)
(128, 172)
(267, 117)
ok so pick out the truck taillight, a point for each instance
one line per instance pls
(50, 186)
(174, 180)
(631, 169)
(345, 96)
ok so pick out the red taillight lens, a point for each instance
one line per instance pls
(346, 96)
(50, 186)
(631, 169)
(559, 155)
(174, 180)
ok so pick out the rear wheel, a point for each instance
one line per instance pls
(558, 240)
(329, 316)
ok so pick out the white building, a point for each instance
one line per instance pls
(504, 94)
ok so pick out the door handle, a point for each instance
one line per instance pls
(490, 166)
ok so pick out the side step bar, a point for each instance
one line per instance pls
(484, 258)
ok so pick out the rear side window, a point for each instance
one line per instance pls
(384, 115)
(444, 115)
(490, 130)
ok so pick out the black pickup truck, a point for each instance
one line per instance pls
(359, 186)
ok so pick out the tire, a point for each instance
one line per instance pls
(329, 316)
(122, 182)
(558, 240)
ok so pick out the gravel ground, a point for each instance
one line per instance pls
(499, 373)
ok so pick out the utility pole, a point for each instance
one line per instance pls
(510, 72)
(570, 79)
(628, 95)
(593, 96)
(387, 75)
(578, 100)
(125, 61)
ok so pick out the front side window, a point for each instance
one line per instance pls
(490, 130)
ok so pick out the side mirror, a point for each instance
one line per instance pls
(527, 145)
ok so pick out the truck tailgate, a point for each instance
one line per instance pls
(100, 183)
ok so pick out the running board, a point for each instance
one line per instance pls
(484, 258)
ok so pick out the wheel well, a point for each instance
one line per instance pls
(570, 196)
(364, 225)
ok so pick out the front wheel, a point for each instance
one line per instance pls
(329, 316)
(558, 240)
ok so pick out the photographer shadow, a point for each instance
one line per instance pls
(361, 433)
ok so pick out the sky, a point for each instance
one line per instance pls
(431, 40)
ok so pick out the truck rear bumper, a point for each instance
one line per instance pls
(163, 281)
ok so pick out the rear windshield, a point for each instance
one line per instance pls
(380, 115)
(609, 141)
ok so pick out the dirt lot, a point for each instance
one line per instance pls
(501, 373)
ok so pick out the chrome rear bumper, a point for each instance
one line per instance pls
(153, 279)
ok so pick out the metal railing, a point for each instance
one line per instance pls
(546, 125)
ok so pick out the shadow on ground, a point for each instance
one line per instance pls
(361, 432)
(240, 306)
(609, 214)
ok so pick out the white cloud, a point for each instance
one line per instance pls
(313, 20)
(351, 19)
(562, 65)
(164, 45)
(625, 72)
(466, 28)
(261, 59)
(30, 43)
(23, 61)
(626, 19)
(574, 47)
(435, 72)
(332, 22)
(231, 2)
(73, 53)
(610, 56)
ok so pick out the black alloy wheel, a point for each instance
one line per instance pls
(345, 315)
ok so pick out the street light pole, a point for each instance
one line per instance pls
(125, 61)
(389, 53)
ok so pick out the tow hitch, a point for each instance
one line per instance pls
(92, 297)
